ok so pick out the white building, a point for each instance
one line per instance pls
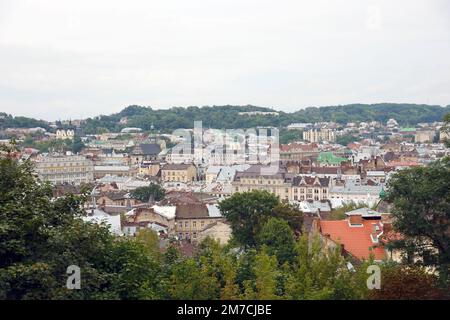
(65, 134)
(350, 192)
(65, 169)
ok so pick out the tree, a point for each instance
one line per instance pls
(246, 212)
(408, 283)
(446, 129)
(320, 273)
(192, 281)
(289, 213)
(265, 283)
(40, 237)
(144, 193)
(421, 211)
(77, 145)
(340, 212)
(278, 239)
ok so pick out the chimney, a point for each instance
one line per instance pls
(356, 220)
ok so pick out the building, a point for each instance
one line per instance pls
(255, 178)
(424, 136)
(120, 170)
(65, 169)
(219, 231)
(145, 151)
(354, 192)
(65, 134)
(392, 124)
(359, 234)
(310, 188)
(314, 135)
(193, 218)
(296, 151)
(285, 185)
(299, 126)
(182, 172)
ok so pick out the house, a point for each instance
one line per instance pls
(145, 151)
(99, 216)
(219, 231)
(182, 172)
(352, 191)
(116, 201)
(191, 219)
(359, 234)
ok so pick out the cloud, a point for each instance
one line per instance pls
(82, 58)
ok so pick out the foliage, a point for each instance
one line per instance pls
(278, 240)
(40, 237)
(408, 283)
(421, 199)
(339, 213)
(287, 136)
(144, 193)
(221, 117)
(246, 212)
(346, 139)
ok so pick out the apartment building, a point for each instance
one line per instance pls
(310, 188)
(191, 219)
(65, 169)
(285, 185)
(256, 178)
(178, 173)
(314, 135)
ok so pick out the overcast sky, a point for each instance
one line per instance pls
(72, 59)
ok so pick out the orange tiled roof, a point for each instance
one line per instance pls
(356, 240)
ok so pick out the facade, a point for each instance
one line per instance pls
(353, 192)
(296, 151)
(65, 134)
(424, 136)
(65, 169)
(285, 185)
(178, 173)
(310, 188)
(219, 231)
(193, 218)
(319, 135)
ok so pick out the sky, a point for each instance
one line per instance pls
(74, 59)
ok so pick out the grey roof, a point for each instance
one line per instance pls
(150, 148)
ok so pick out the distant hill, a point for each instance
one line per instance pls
(228, 116)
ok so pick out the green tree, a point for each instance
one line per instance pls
(77, 145)
(40, 237)
(246, 212)
(446, 129)
(266, 272)
(289, 213)
(144, 193)
(421, 212)
(278, 239)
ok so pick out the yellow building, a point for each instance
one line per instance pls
(178, 173)
(319, 135)
(283, 184)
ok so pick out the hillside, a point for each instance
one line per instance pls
(228, 116)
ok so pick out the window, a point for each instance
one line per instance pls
(194, 224)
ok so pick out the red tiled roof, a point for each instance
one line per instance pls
(298, 147)
(356, 240)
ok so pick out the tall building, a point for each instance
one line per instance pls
(65, 169)
(314, 135)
